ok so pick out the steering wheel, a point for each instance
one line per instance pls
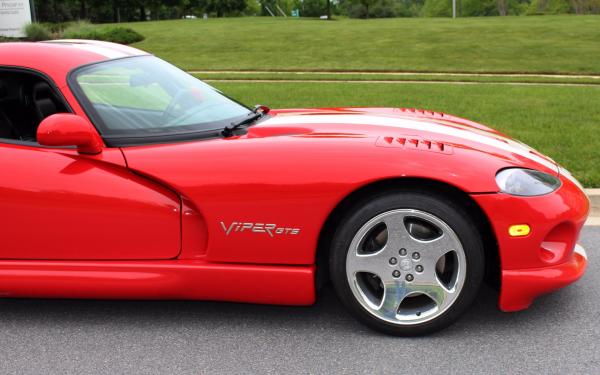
(171, 107)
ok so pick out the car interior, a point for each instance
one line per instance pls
(25, 100)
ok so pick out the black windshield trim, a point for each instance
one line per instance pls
(129, 140)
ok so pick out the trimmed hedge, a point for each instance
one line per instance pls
(123, 35)
(116, 34)
(82, 30)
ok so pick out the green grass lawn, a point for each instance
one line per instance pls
(562, 122)
(495, 44)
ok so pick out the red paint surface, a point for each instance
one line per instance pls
(527, 268)
(158, 280)
(61, 205)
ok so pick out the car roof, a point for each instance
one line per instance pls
(58, 57)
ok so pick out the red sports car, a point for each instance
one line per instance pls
(124, 177)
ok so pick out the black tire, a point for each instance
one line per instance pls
(453, 214)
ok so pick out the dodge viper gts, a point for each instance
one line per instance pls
(123, 177)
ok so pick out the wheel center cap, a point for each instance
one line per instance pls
(405, 265)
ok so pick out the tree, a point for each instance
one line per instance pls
(437, 8)
(380, 8)
(359, 8)
(503, 7)
(586, 6)
(549, 7)
(312, 8)
(142, 8)
(252, 8)
(478, 8)
(82, 10)
(366, 4)
(223, 7)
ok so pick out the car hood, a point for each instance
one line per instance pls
(339, 149)
(399, 123)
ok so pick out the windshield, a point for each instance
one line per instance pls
(145, 96)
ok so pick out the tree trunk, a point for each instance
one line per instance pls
(55, 19)
(82, 10)
(142, 13)
(579, 6)
(328, 9)
(367, 8)
(503, 7)
(115, 10)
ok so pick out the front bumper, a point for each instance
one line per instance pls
(521, 287)
(549, 257)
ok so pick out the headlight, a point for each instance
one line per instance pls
(526, 182)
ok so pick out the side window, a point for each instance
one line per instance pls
(25, 100)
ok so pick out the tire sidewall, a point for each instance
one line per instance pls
(455, 216)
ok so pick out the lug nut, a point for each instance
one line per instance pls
(409, 277)
(416, 256)
(403, 252)
(419, 268)
(396, 273)
(393, 261)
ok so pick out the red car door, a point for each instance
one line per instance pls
(60, 205)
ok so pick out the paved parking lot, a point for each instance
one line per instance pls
(559, 334)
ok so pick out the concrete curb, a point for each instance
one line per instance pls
(594, 195)
(593, 222)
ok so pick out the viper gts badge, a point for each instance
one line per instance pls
(270, 229)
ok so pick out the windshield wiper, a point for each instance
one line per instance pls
(258, 112)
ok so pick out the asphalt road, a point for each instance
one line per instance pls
(559, 334)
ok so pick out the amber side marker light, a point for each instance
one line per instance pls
(519, 230)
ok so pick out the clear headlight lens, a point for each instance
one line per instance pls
(526, 182)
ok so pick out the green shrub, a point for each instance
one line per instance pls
(382, 9)
(57, 28)
(123, 35)
(81, 30)
(549, 7)
(116, 34)
(437, 8)
(37, 31)
(478, 8)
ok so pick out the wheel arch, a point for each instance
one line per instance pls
(492, 259)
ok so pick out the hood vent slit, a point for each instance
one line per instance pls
(415, 143)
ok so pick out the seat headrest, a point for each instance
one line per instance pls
(45, 107)
(42, 90)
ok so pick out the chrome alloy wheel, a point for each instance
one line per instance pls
(406, 266)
